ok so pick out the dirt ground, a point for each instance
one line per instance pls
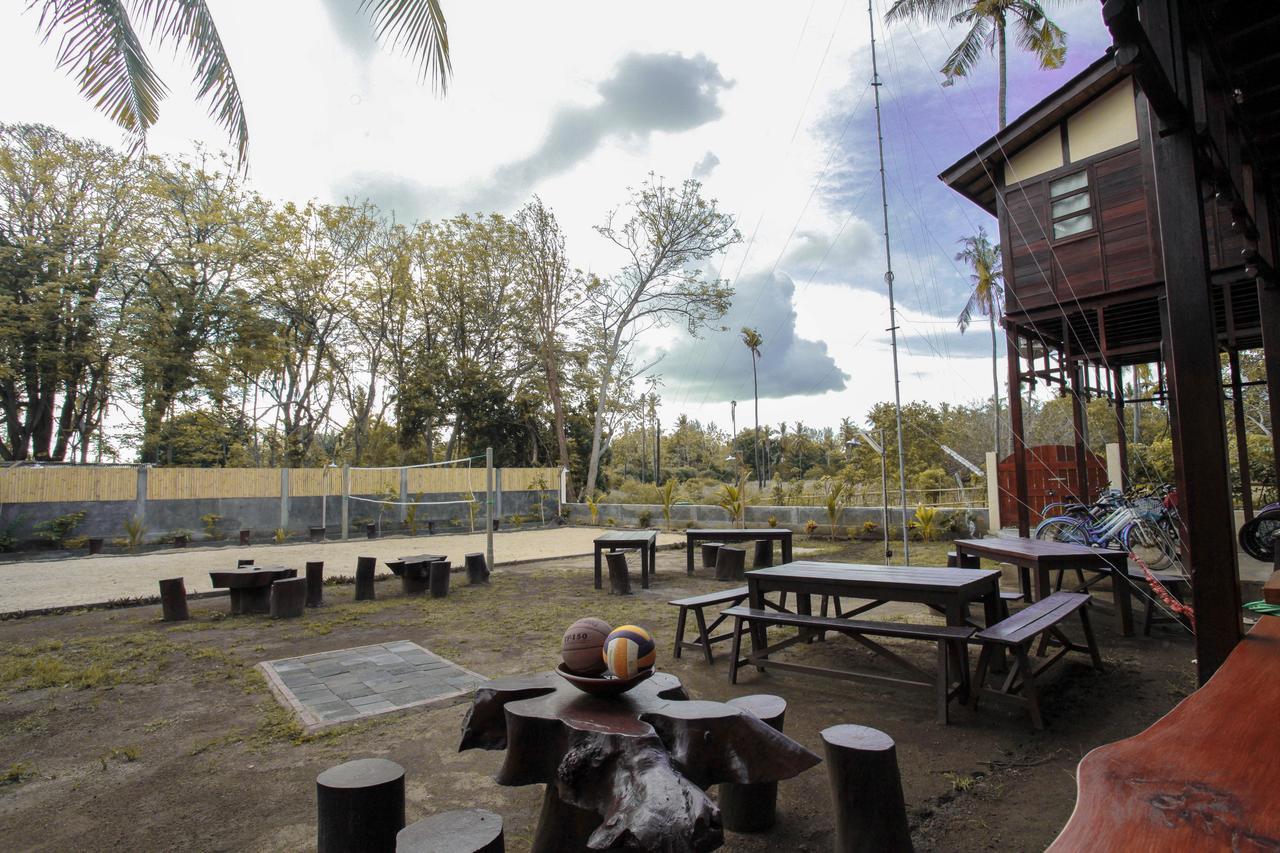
(119, 732)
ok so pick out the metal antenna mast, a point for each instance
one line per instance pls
(888, 280)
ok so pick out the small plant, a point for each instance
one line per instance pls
(411, 514)
(668, 497)
(75, 543)
(810, 526)
(773, 521)
(281, 535)
(517, 519)
(593, 504)
(834, 503)
(9, 534)
(926, 522)
(210, 522)
(645, 517)
(56, 529)
(17, 773)
(869, 529)
(611, 521)
(134, 530)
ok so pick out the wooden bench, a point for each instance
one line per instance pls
(696, 603)
(950, 642)
(1154, 611)
(1017, 633)
(967, 561)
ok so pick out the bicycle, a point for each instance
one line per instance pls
(1258, 537)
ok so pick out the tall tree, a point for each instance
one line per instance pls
(98, 44)
(753, 341)
(988, 21)
(668, 231)
(986, 298)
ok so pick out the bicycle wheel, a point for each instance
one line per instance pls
(1148, 542)
(1063, 529)
(1257, 538)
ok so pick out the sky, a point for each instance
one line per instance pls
(769, 105)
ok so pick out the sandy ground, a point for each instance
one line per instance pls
(91, 580)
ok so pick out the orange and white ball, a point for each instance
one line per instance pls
(628, 650)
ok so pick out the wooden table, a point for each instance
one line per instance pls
(250, 586)
(614, 540)
(1202, 777)
(736, 534)
(397, 565)
(1045, 557)
(627, 771)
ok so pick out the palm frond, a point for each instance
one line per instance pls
(1039, 36)
(969, 50)
(189, 22)
(416, 28)
(929, 11)
(98, 45)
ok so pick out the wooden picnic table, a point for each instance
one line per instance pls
(737, 534)
(629, 771)
(250, 586)
(615, 540)
(1202, 777)
(397, 565)
(1046, 556)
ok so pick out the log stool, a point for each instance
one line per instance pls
(371, 531)
(764, 554)
(360, 806)
(619, 577)
(288, 598)
(866, 790)
(364, 578)
(95, 545)
(461, 831)
(438, 578)
(415, 578)
(240, 564)
(315, 583)
(731, 563)
(477, 569)
(753, 808)
(173, 600)
(244, 536)
(317, 534)
(710, 552)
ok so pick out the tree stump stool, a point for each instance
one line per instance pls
(710, 551)
(764, 554)
(315, 583)
(247, 561)
(415, 578)
(477, 569)
(360, 807)
(371, 531)
(364, 577)
(317, 534)
(173, 600)
(753, 808)
(438, 578)
(244, 536)
(95, 545)
(866, 790)
(461, 831)
(288, 598)
(731, 563)
(619, 577)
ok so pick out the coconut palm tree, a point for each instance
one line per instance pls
(99, 45)
(987, 21)
(752, 339)
(987, 298)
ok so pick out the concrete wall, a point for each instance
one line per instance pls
(792, 517)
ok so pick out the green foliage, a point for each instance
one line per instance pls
(926, 522)
(411, 514)
(281, 535)
(810, 526)
(731, 500)
(594, 507)
(211, 526)
(667, 497)
(9, 534)
(56, 529)
(611, 521)
(134, 530)
(645, 518)
(773, 521)
(16, 774)
(833, 502)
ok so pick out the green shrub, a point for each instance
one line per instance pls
(56, 529)
(773, 521)
(211, 526)
(134, 530)
(810, 526)
(75, 543)
(9, 535)
(281, 535)
(926, 522)
(645, 517)
(611, 521)
(593, 504)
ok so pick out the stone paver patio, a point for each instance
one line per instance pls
(348, 684)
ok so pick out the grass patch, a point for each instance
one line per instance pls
(16, 774)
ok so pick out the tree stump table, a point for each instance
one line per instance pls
(625, 772)
(250, 586)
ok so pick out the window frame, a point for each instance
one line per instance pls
(1089, 210)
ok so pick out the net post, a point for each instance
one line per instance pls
(404, 496)
(346, 495)
(488, 498)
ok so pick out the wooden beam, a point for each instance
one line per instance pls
(1016, 428)
(1242, 443)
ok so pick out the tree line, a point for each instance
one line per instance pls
(159, 303)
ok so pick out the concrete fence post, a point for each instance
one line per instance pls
(1115, 471)
(404, 495)
(497, 487)
(346, 492)
(284, 498)
(993, 491)
(140, 500)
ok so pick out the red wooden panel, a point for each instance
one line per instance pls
(1127, 252)
(1051, 477)
(1027, 276)
(1078, 271)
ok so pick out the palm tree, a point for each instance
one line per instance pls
(99, 46)
(751, 337)
(987, 298)
(987, 21)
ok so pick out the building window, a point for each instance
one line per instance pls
(1070, 207)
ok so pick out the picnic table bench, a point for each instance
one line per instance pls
(250, 586)
(1044, 557)
(735, 534)
(615, 540)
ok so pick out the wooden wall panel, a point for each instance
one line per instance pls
(1127, 251)
(1029, 272)
(1078, 271)
(174, 484)
(28, 484)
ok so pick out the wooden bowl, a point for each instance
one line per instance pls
(602, 686)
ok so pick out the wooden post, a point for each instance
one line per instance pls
(439, 578)
(288, 598)
(619, 577)
(461, 831)
(1080, 423)
(315, 583)
(173, 600)
(477, 571)
(1242, 442)
(364, 578)
(866, 790)
(360, 806)
(753, 808)
(1017, 429)
(488, 515)
(1269, 311)
(1121, 436)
